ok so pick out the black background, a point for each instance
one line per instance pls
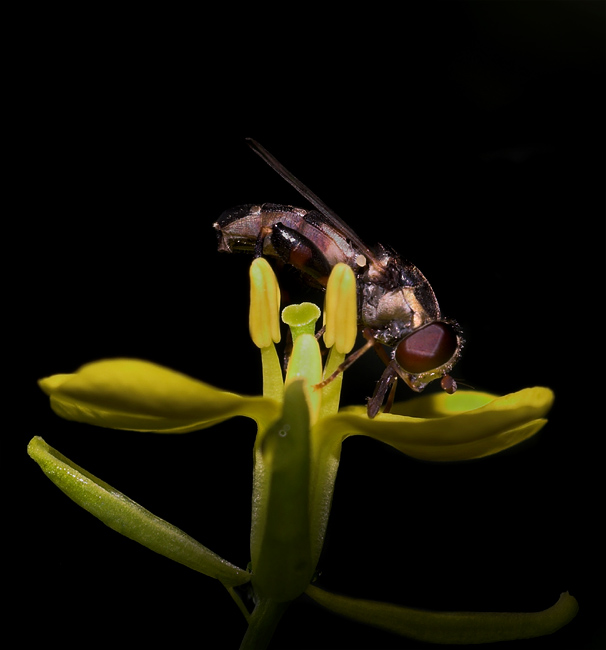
(467, 135)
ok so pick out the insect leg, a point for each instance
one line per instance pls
(387, 380)
(346, 363)
(391, 397)
(379, 349)
(371, 342)
(260, 241)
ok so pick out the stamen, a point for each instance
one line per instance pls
(264, 324)
(340, 331)
(341, 309)
(264, 315)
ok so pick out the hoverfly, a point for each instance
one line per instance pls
(397, 307)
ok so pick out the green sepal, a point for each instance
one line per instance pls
(280, 534)
(130, 519)
(450, 627)
(325, 464)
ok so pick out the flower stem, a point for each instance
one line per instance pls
(241, 606)
(273, 381)
(262, 624)
(331, 393)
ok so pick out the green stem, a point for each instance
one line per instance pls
(262, 624)
(241, 606)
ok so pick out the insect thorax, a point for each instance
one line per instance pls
(392, 310)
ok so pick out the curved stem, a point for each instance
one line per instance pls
(262, 624)
(238, 600)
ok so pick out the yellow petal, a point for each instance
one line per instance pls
(142, 396)
(454, 427)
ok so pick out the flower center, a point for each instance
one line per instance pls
(340, 330)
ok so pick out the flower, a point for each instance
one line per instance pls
(296, 453)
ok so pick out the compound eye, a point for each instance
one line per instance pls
(427, 348)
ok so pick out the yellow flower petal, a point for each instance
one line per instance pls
(142, 396)
(450, 430)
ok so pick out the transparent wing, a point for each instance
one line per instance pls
(306, 193)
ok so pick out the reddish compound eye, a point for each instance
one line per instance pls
(427, 348)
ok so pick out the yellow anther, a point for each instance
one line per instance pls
(341, 309)
(264, 314)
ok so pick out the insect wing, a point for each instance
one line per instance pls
(334, 220)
